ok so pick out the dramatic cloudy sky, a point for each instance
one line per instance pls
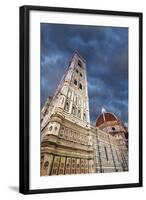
(105, 50)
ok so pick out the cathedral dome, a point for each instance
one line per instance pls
(105, 117)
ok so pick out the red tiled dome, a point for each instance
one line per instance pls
(105, 117)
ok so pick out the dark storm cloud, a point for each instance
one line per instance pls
(105, 50)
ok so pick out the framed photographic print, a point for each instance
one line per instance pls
(80, 99)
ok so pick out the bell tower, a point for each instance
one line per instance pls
(66, 142)
(71, 96)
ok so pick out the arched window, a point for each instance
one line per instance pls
(84, 117)
(73, 110)
(67, 106)
(79, 113)
(77, 71)
(80, 86)
(75, 82)
(79, 63)
(81, 75)
(113, 129)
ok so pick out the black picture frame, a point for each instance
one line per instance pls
(25, 105)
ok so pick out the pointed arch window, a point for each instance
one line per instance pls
(79, 63)
(80, 86)
(73, 110)
(79, 113)
(84, 117)
(75, 82)
(67, 106)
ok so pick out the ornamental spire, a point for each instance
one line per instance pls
(103, 111)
